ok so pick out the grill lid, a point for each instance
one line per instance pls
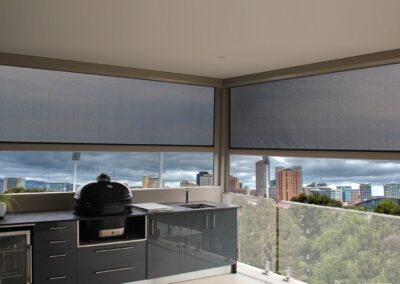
(103, 192)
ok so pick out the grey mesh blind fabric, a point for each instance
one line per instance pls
(62, 107)
(351, 110)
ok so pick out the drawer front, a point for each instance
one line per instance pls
(57, 266)
(55, 229)
(99, 256)
(67, 277)
(53, 243)
(114, 274)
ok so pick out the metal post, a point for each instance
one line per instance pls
(75, 158)
(161, 170)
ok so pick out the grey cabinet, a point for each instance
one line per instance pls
(112, 264)
(191, 241)
(163, 245)
(193, 233)
(55, 252)
(222, 237)
(212, 242)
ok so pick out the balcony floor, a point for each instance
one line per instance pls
(246, 275)
(224, 279)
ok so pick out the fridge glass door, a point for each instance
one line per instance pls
(14, 258)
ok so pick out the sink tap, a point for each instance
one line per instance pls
(187, 195)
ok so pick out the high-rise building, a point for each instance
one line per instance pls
(288, 182)
(392, 190)
(207, 180)
(349, 195)
(365, 191)
(272, 189)
(262, 176)
(200, 174)
(234, 184)
(150, 182)
(10, 183)
(334, 194)
(59, 186)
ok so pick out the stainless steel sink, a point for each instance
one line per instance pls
(196, 206)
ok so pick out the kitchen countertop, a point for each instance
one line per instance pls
(30, 218)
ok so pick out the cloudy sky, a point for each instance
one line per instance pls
(127, 167)
(130, 167)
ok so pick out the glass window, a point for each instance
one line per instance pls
(43, 106)
(345, 180)
(54, 171)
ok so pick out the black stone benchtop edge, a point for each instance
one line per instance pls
(68, 215)
(51, 216)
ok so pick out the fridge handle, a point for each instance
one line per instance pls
(29, 263)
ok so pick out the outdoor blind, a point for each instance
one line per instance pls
(349, 110)
(43, 106)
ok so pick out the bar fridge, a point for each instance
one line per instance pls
(15, 257)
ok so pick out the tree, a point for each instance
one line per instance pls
(388, 207)
(317, 199)
(24, 190)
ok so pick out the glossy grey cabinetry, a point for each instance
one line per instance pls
(212, 242)
(163, 245)
(112, 264)
(191, 241)
(55, 252)
(222, 238)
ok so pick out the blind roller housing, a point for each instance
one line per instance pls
(349, 110)
(62, 107)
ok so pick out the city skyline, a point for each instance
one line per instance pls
(335, 172)
(130, 167)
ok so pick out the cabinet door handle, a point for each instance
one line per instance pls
(57, 242)
(213, 221)
(12, 276)
(114, 270)
(57, 228)
(205, 222)
(57, 277)
(57, 255)
(112, 249)
(152, 227)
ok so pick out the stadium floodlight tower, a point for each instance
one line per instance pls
(75, 158)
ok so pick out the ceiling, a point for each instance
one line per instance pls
(215, 38)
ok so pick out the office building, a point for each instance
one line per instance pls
(365, 191)
(262, 176)
(234, 184)
(199, 175)
(350, 196)
(12, 182)
(59, 186)
(392, 190)
(334, 194)
(206, 180)
(288, 182)
(150, 182)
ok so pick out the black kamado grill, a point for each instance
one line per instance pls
(103, 198)
(110, 200)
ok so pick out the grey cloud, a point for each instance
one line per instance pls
(58, 166)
